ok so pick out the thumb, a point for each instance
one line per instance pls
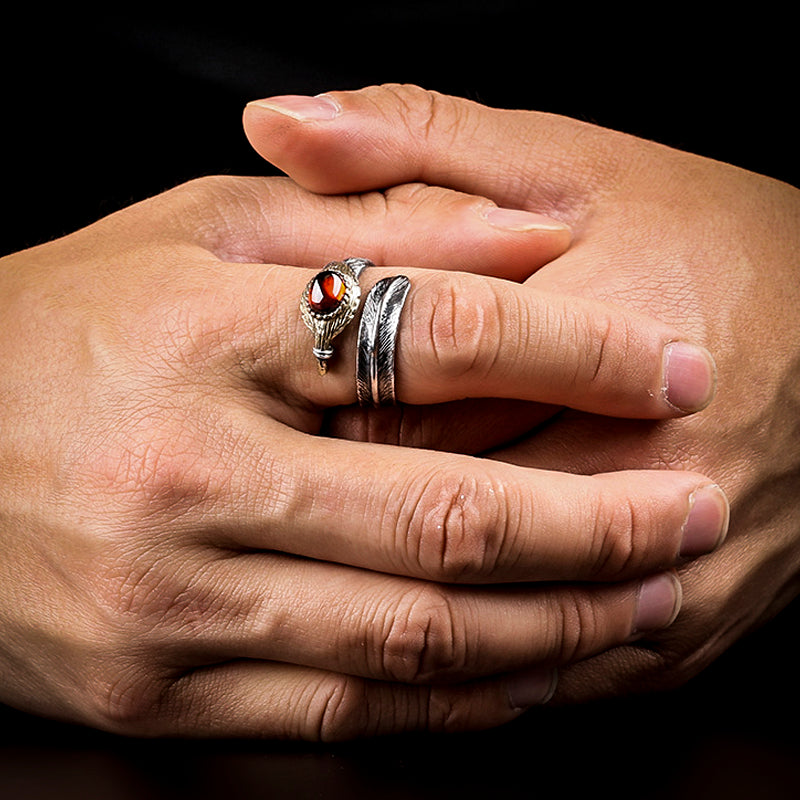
(386, 135)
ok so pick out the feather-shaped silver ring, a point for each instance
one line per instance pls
(377, 339)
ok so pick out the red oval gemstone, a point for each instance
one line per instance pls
(326, 292)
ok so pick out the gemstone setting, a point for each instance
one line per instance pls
(329, 302)
(326, 292)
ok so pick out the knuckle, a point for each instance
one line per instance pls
(425, 112)
(207, 208)
(629, 532)
(127, 697)
(446, 712)
(575, 625)
(425, 638)
(146, 617)
(155, 467)
(456, 325)
(153, 598)
(157, 605)
(607, 348)
(457, 527)
(200, 202)
(613, 537)
(188, 330)
(164, 476)
(344, 707)
(338, 710)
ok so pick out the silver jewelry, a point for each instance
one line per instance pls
(377, 337)
(329, 302)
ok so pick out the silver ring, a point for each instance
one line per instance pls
(329, 302)
(377, 338)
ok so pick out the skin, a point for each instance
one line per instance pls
(181, 553)
(690, 241)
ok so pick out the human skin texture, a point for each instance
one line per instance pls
(181, 552)
(685, 239)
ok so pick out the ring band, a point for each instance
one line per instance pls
(377, 338)
(357, 265)
(329, 302)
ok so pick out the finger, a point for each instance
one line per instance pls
(669, 658)
(469, 426)
(276, 221)
(247, 697)
(465, 336)
(384, 135)
(457, 519)
(276, 608)
(280, 701)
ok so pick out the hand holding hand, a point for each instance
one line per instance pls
(695, 243)
(181, 554)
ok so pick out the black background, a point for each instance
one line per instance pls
(102, 110)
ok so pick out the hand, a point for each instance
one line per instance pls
(693, 242)
(180, 554)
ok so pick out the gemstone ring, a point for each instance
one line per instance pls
(329, 302)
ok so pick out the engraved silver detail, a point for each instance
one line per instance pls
(377, 339)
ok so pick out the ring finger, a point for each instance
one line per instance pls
(400, 630)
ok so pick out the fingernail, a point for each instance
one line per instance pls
(707, 521)
(689, 376)
(657, 604)
(513, 219)
(532, 687)
(301, 107)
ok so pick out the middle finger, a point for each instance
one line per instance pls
(453, 518)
